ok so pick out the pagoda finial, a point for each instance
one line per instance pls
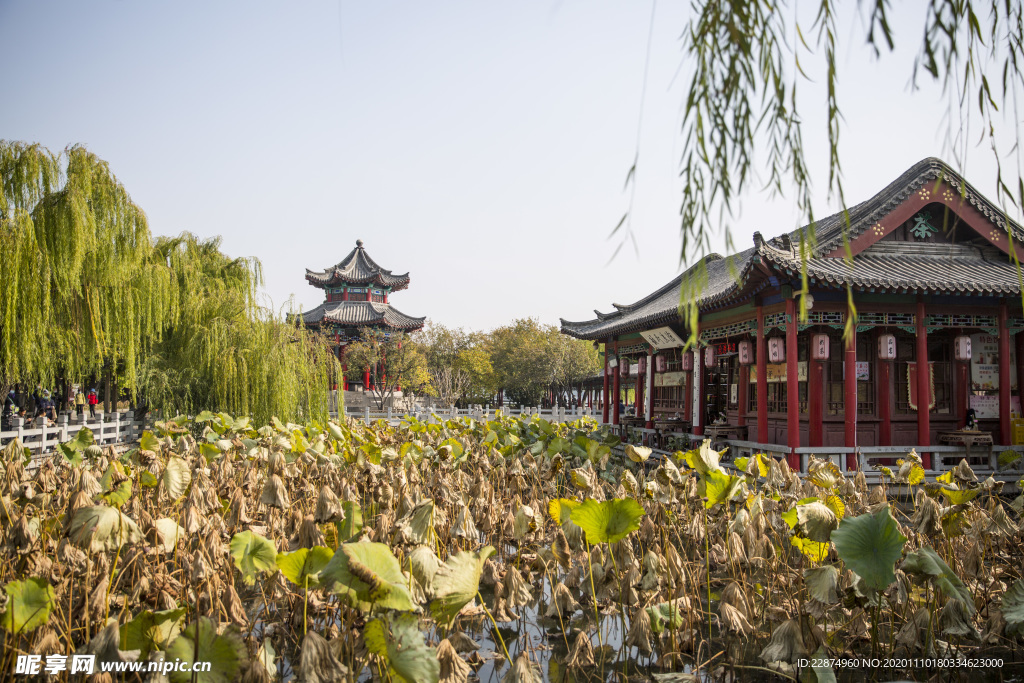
(359, 243)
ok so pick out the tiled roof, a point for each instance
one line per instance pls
(927, 272)
(357, 269)
(360, 313)
(723, 275)
(923, 174)
(905, 266)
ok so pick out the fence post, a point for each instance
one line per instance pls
(19, 424)
(42, 434)
(64, 427)
(117, 426)
(389, 414)
(367, 415)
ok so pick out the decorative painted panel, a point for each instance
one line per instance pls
(735, 329)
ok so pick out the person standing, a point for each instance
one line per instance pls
(80, 402)
(93, 399)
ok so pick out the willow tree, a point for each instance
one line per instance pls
(226, 352)
(80, 294)
(743, 120)
(86, 292)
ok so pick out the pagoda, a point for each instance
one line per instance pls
(357, 292)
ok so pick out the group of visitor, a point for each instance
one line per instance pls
(41, 403)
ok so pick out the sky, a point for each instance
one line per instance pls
(482, 147)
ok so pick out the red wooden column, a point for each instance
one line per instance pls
(741, 395)
(615, 389)
(366, 379)
(850, 396)
(604, 395)
(815, 400)
(649, 393)
(1004, 377)
(700, 386)
(1019, 341)
(792, 385)
(883, 398)
(924, 392)
(688, 396)
(762, 379)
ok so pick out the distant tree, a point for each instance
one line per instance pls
(522, 363)
(394, 361)
(459, 364)
(574, 360)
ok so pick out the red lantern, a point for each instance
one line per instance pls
(746, 352)
(776, 350)
(887, 347)
(962, 348)
(660, 364)
(820, 346)
(709, 357)
(686, 362)
(641, 366)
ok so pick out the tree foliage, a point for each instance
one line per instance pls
(86, 291)
(742, 117)
(393, 359)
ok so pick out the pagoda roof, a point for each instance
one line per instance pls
(361, 313)
(357, 269)
(981, 267)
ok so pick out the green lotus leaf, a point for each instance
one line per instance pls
(352, 525)
(368, 576)
(398, 641)
(225, 652)
(149, 442)
(304, 564)
(870, 544)
(665, 615)
(704, 459)
(720, 487)
(29, 603)
(120, 495)
(252, 554)
(419, 525)
(151, 630)
(456, 582)
(608, 521)
(561, 509)
(1013, 608)
(822, 583)
(169, 533)
(927, 563)
(817, 521)
(101, 528)
(176, 477)
(148, 479)
(957, 496)
(813, 550)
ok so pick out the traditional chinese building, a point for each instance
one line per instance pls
(930, 265)
(357, 292)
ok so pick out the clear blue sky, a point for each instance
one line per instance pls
(481, 146)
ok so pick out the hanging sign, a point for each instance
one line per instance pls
(669, 379)
(985, 362)
(912, 384)
(985, 407)
(662, 338)
(777, 372)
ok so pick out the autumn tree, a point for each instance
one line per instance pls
(394, 361)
